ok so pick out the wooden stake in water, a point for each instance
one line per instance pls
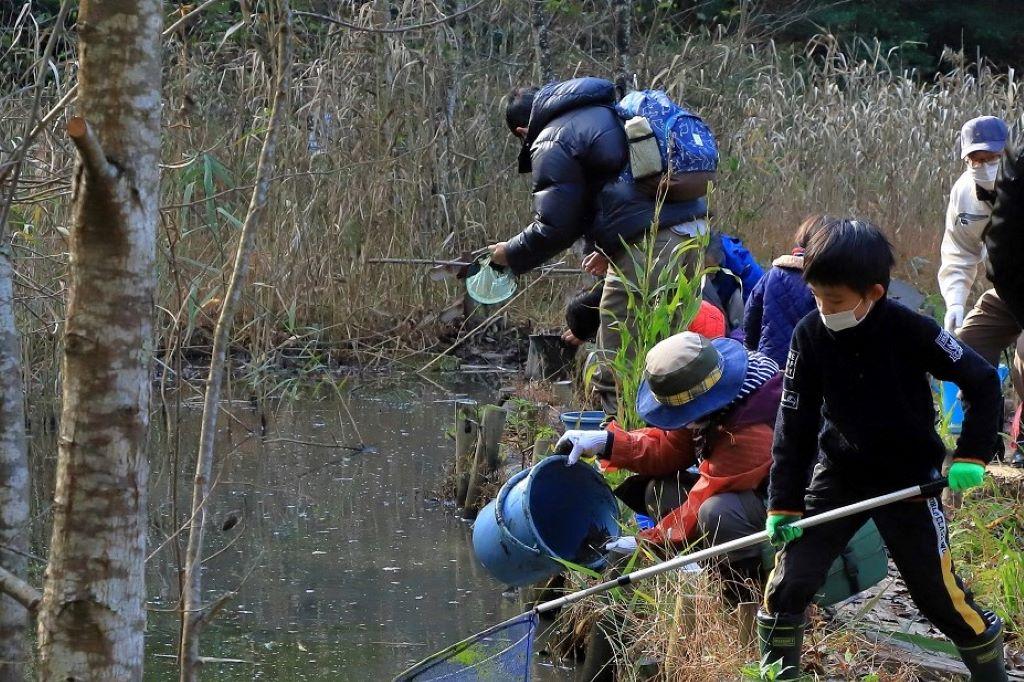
(467, 430)
(487, 460)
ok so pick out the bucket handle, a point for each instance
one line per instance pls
(499, 517)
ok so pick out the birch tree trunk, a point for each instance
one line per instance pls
(14, 473)
(194, 613)
(13, 479)
(92, 616)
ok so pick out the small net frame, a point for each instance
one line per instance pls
(499, 654)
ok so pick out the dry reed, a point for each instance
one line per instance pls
(397, 148)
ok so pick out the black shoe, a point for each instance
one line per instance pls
(780, 638)
(1018, 458)
(984, 655)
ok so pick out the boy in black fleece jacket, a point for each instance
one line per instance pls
(858, 408)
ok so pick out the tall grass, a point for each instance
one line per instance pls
(397, 148)
(660, 302)
(986, 542)
(677, 627)
(675, 624)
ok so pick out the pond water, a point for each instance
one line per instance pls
(346, 564)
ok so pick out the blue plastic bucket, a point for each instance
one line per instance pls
(547, 510)
(644, 522)
(590, 420)
(949, 401)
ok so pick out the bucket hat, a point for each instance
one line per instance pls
(687, 377)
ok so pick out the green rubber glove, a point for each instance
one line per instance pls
(964, 476)
(779, 530)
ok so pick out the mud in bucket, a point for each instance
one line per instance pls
(548, 510)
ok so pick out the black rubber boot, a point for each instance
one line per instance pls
(780, 637)
(984, 655)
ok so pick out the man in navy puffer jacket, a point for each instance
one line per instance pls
(575, 145)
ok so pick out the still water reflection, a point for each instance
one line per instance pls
(347, 565)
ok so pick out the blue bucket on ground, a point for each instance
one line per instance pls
(644, 522)
(949, 401)
(547, 510)
(589, 420)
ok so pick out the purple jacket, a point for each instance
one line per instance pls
(777, 303)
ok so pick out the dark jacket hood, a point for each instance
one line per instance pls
(760, 407)
(556, 99)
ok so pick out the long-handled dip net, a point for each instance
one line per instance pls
(502, 653)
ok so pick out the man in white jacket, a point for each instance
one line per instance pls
(990, 326)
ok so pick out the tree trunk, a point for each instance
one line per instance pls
(92, 616)
(13, 479)
(194, 613)
(539, 21)
(623, 33)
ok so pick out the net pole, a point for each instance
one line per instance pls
(741, 543)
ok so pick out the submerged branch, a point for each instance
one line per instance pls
(338, 446)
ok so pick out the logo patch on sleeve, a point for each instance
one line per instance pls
(791, 361)
(790, 400)
(950, 346)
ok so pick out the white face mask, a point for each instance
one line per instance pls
(846, 319)
(985, 174)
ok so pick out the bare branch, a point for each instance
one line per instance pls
(53, 112)
(22, 151)
(192, 620)
(81, 133)
(459, 341)
(211, 611)
(27, 555)
(396, 29)
(72, 92)
(170, 29)
(19, 590)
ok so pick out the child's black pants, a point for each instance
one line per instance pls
(916, 536)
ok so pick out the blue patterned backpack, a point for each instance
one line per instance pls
(687, 145)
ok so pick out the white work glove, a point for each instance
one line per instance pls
(954, 318)
(624, 545)
(589, 443)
